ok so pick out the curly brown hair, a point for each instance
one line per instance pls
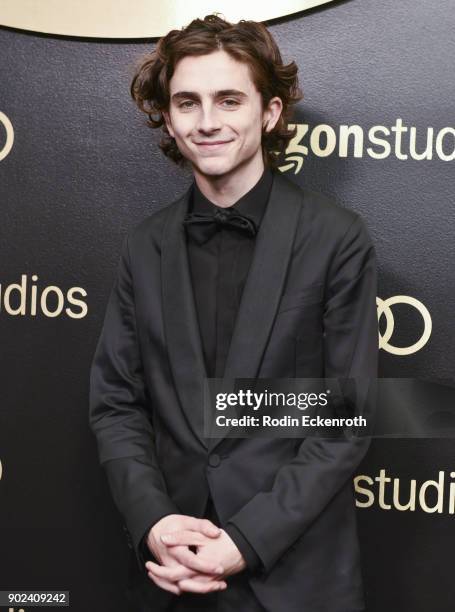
(246, 41)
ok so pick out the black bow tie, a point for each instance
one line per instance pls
(201, 226)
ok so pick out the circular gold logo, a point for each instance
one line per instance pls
(8, 144)
(384, 309)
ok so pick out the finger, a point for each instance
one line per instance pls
(183, 538)
(181, 555)
(165, 584)
(206, 578)
(172, 574)
(170, 555)
(203, 525)
(188, 558)
(195, 586)
(180, 572)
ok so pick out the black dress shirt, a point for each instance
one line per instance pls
(219, 269)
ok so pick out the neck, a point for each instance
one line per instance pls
(226, 189)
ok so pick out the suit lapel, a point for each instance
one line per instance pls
(264, 285)
(180, 319)
(258, 306)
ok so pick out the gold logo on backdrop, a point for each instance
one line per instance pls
(295, 151)
(139, 19)
(377, 141)
(394, 493)
(384, 309)
(29, 298)
(9, 131)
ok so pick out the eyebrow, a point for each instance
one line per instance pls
(180, 95)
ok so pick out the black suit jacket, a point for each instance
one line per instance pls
(308, 309)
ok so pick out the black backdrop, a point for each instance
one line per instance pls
(83, 168)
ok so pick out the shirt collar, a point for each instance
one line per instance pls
(252, 203)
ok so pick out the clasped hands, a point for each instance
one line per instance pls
(200, 569)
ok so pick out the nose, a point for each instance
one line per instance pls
(208, 119)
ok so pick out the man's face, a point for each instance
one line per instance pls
(215, 113)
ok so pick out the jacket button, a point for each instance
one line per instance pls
(214, 460)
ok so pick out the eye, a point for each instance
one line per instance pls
(186, 104)
(231, 102)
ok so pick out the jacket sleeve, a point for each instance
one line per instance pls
(250, 556)
(272, 520)
(118, 418)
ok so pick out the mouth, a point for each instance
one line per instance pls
(213, 145)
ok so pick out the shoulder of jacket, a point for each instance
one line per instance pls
(319, 204)
(153, 225)
(322, 210)
(326, 210)
(323, 217)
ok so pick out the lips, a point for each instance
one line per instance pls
(214, 144)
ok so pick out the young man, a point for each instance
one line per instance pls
(245, 275)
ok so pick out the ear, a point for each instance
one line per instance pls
(272, 113)
(167, 120)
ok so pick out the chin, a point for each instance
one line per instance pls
(214, 167)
